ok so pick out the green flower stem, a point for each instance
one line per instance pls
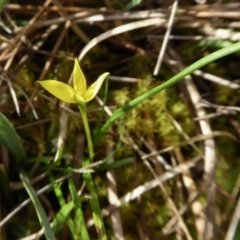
(83, 110)
(97, 216)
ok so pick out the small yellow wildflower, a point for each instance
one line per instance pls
(79, 92)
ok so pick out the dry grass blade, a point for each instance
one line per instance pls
(234, 222)
(119, 30)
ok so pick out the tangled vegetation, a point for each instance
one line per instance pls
(165, 165)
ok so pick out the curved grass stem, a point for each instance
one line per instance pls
(195, 66)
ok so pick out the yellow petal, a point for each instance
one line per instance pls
(58, 89)
(94, 88)
(79, 80)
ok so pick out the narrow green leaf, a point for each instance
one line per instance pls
(117, 164)
(10, 139)
(2, 4)
(78, 209)
(132, 4)
(61, 216)
(38, 207)
(195, 66)
(43, 159)
(59, 194)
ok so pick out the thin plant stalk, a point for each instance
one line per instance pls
(176, 78)
(97, 216)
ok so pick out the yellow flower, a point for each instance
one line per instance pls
(79, 92)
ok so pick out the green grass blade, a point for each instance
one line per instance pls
(58, 192)
(10, 139)
(79, 214)
(114, 165)
(1, 5)
(61, 216)
(195, 66)
(38, 207)
(132, 4)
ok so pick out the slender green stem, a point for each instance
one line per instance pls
(97, 216)
(83, 110)
(200, 63)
